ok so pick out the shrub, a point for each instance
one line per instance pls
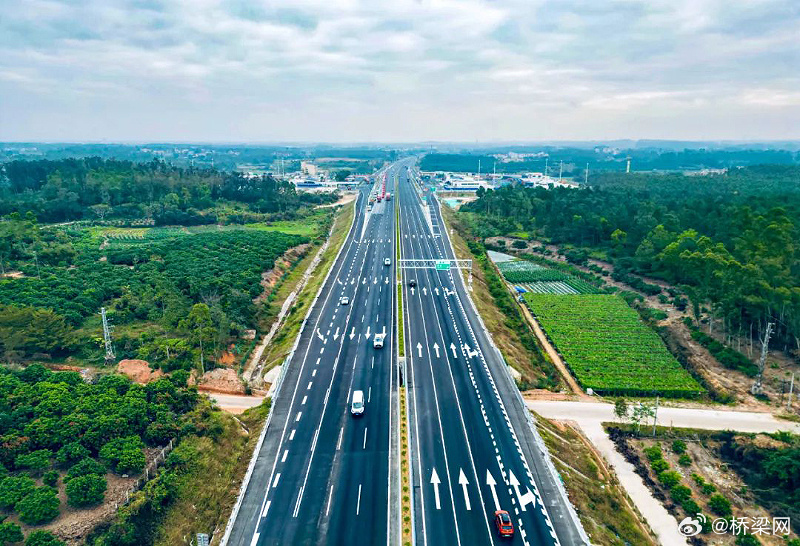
(708, 488)
(747, 540)
(679, 447)
(669, 478)
(84, 468)
(38, 507)
(86, 490)
(125, 455)
(653, 453)
(35, 460)
(659, 466)
(12, 490)
(691, 507)
(42, 538)
(719, 505)
(680, 493)
(10, 533)
(684, 460)
(50, 478)
(72, 453)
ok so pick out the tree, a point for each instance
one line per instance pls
(669, 478)
(84, 468)
(38, 507)
(641, 413)
(10, 533)
(679, 447)
(50, 478)
(71, 453)
(86, 490)
(621, 409)
(42, 538)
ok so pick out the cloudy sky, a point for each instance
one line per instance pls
(399, 70)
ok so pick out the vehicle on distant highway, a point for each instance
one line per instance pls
(378, 341)
(503, 523)
(387, 261)
(344, 300)
(412, 283)
(357, 405)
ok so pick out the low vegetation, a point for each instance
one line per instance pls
(608, 348)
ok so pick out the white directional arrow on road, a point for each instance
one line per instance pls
(492, 485)
(412, 290)
(319, 335)
(419, 349)
(339, 281)
(436, 290)
(375, 280)
(367, 332)
(424, 291)
(353, 333)
(436, 481)
(462, 479)
(336, 335)
(523, 499)
(453, 348)
(353, 280)
(436, 348)
(364, 280)
(386, 280)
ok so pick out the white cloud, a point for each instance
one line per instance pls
(402, 69)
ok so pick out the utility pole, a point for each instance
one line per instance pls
(586, 176)
(546, 161)
(560, 170)
(107, 337)
(757, 388)
(655, 418)
(791, 390)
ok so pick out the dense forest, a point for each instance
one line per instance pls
(98, 189)
(601, 159)
(730, 239)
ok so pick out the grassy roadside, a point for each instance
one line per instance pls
(213, 471)
(509, 331)
(282, 343)
(607, 514)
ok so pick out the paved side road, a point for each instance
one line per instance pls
(591, 415)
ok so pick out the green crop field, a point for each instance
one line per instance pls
(608, 348)
(542, 280)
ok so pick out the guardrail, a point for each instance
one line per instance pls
(279, 383)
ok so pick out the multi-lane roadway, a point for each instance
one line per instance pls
(322, 477)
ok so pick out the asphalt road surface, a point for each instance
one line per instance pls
(321, 475)
(473, 450)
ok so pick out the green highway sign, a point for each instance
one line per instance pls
(442, 265)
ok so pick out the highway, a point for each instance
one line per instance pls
(322, 476)
(473, 451)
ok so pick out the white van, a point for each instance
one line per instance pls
(357, 403)
(377, 343)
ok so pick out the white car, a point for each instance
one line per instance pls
(387, 261)
(344, 300)
(357, 403)
(377, 343)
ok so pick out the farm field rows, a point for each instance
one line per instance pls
(608, 348)
(542, 280)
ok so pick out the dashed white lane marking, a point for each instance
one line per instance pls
(299, 414)
(291, 435)
(339, 441)
(305, 399)
(364, 446)
(266, 509)
(369, 394)
(275, 481)
(285, 454)
(330, 498)
(358, 504)
(309, 385)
